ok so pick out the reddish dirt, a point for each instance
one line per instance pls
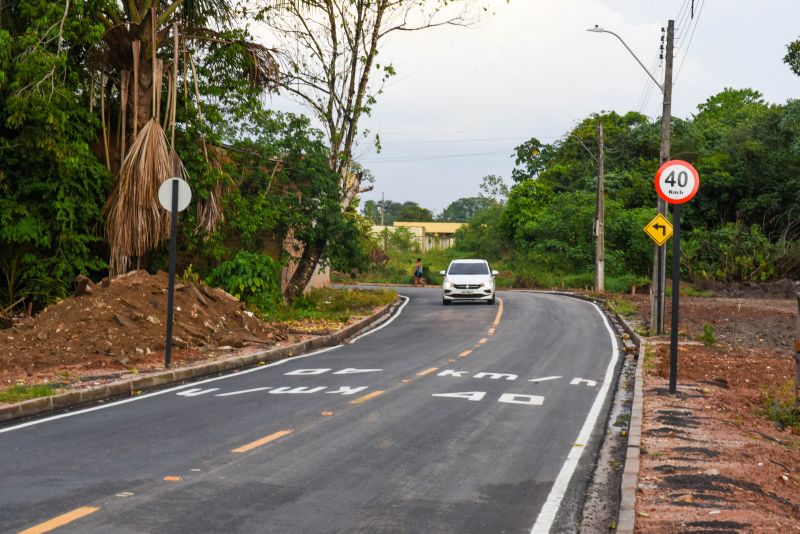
(711, 460)
(118, 329)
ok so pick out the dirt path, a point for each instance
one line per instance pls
(711, 461)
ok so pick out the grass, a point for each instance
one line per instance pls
(330, 304)
(21, 393)
(623, 307)
(688, 291)
(779, 405)
(650, 360)
(623, 420)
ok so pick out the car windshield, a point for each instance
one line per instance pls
(468, 268)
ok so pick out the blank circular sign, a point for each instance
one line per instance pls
(677, 181)
(165, 194)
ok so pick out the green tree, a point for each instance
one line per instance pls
(792, 57)
(51, 185)
(464, 209)
(411, 211)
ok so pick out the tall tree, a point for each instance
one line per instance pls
(792, 57)
(329, 51)
(128, 73)
(464, 209)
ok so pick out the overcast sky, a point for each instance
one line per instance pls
(463, 98)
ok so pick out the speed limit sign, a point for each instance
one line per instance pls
(677, 181)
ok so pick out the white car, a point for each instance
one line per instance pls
(468, 280)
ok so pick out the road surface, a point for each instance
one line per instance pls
(465, 418)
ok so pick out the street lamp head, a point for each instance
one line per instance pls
(596, 29)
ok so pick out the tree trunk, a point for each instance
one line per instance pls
(305, 270)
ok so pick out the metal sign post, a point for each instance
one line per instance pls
(676, 182)
(174, 196)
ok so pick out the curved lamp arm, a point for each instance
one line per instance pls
(598, 29)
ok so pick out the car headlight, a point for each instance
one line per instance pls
(448, 285)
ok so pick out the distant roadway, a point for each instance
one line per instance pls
(457, 419)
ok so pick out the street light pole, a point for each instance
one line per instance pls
(659, 254)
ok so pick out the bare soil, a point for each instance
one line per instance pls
(711, 460)
(116, 329)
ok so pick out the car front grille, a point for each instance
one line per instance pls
(467, 286)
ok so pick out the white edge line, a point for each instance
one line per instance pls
(547, 515)
(386, 323)
(195, 384)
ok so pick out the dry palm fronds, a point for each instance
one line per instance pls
(135, 221)
(264, 68)
(209, 211)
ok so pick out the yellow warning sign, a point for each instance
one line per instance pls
(659, 229)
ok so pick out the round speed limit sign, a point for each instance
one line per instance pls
(677, 181)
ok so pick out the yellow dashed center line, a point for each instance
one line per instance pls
(465, 353)
(491, 331)
(499, 313)
(482, 341)
(367, 397)
(428, 371)
(173, 479)
(61, 520)
(263, 441)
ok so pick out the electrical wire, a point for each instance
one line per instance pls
(691, 37)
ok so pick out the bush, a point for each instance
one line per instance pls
(252, 277)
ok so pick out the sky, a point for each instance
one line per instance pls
(463, 98)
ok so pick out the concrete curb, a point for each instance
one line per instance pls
(626, 523)
(134, 386)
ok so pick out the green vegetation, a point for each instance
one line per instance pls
(736, 229)
(779, 404)
(708, 338)
(622, 306)
(330, 304)
(622, 420)
(251, 277)
(19, 393)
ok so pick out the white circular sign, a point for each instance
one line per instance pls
(165, 194)
(677, 181)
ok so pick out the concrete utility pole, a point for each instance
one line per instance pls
(600, 232)
(660, 252)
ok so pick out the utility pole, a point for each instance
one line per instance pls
(383, 201)
(599, 281)
(660, 252)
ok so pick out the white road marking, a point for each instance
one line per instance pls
(296, 390)
(242, 392)
(387, 323)
(544, 379)
(547, 514)
(353, 370)
(303, 372)
(450, 372)
(518, 398)
(496, 376)
(196, 392)
(207, 381)
(578, 381)
(468, 395)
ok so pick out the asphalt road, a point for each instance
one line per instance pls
(465, 418)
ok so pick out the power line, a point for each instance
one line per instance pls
(404, 159)
(691, 37)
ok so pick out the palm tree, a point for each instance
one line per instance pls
(129, 74)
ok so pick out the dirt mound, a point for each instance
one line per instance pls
(121, 324)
